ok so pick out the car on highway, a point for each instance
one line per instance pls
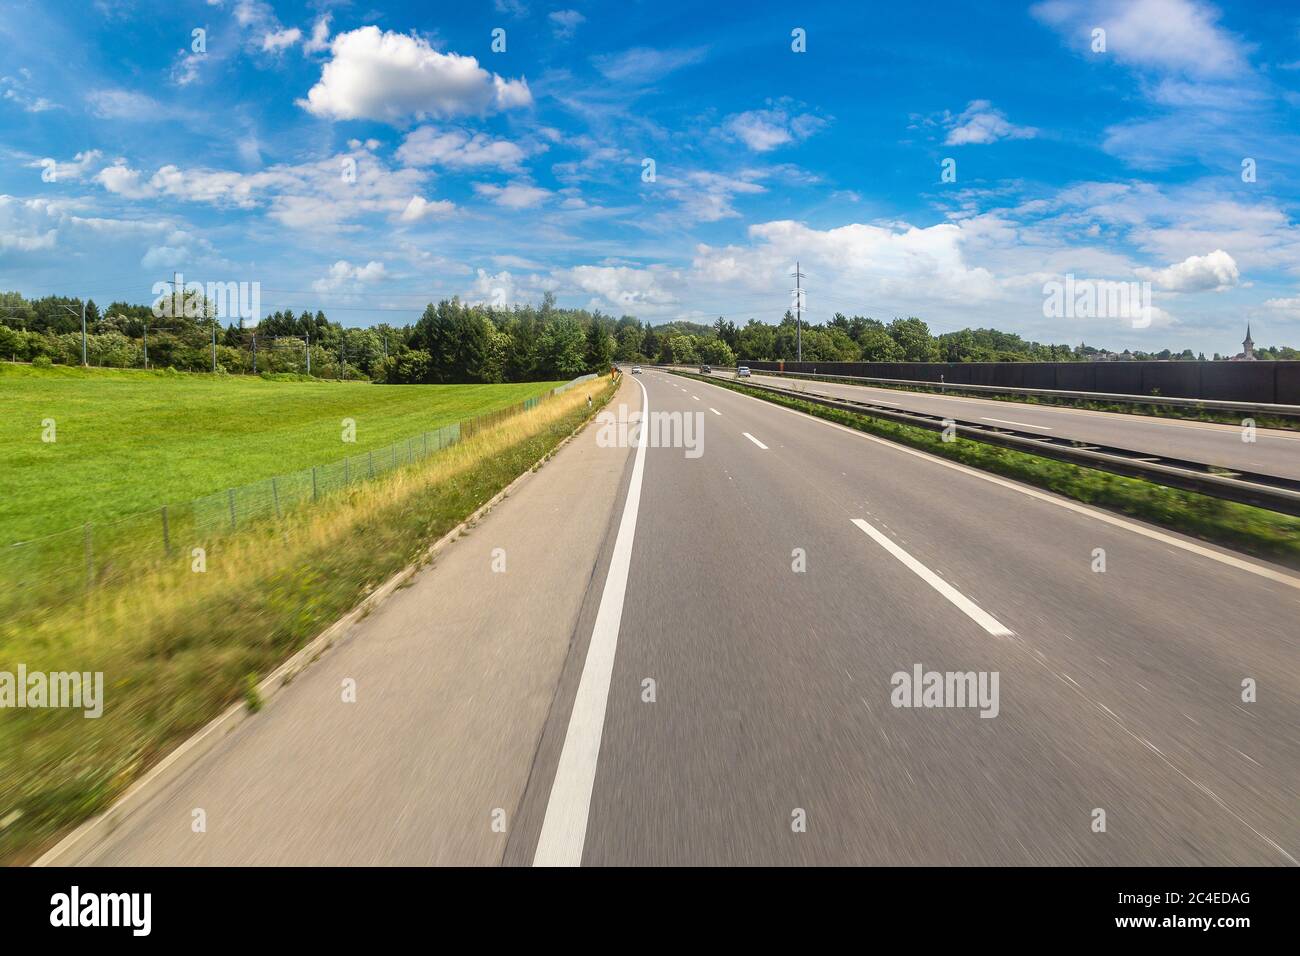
(742, 371)
(705, 370)
(636, 369)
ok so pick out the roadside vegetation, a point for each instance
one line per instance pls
(176, 646)
(1256, 531)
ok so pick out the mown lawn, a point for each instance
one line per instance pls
(128, 441)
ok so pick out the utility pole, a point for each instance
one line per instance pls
(798, 306)
(214, 345)
(308, 351)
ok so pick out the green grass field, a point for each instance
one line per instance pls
(129, 441)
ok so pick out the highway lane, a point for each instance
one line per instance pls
(1274, 452)
(1119, 691)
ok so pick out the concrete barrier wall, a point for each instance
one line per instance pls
(1262, 382)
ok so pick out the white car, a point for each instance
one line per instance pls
(742, 371)
(636, 369)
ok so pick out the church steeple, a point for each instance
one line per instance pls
(1248, 346)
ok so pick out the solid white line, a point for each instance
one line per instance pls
(963, 603)
(1003, 421)
(564, 830)
(755, 440)
(715, 411)
(1272, 574)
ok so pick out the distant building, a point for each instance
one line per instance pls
(1248, 349)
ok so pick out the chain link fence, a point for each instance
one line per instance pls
(60, 567)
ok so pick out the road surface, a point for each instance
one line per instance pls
(692, 660)
(1274, 451)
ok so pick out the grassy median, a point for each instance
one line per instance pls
(1257, 531)
(176, 645)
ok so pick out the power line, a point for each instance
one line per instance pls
(798, 305)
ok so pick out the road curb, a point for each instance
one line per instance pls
(74, 847)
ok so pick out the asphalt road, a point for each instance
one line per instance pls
(692, 660)
(1274, 452)
(1118, 690)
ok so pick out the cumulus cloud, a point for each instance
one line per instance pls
(343, 275)
(124, 181)
(981, 123)
(1214, 272)
(458, 149)
(623, 288)
(392, 77)
(514, 195)
(764, 130)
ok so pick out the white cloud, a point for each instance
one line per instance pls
(981, 123)
(514, 195)
(623, 288)
(343, 275)
(644, 65)
(1180, 36)
(392, 77)
(565, 23)
(16, 91)
(124, 104)
(319, 40)
(420, 208)
(458, 149)
(186, 68)
(1214, 272)
(764, 130)
(73, 169)
(278, 40)
(124, 181)
(706, 196)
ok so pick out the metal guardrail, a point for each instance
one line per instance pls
(1250, 488)
(1206, 403)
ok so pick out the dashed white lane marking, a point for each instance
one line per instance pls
(1003, 421)
(564, 830)
(715, 411)
(1273, 574)
(696, 397)
(755, 440)
(959, 600)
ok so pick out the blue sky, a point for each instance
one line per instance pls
(366, 159)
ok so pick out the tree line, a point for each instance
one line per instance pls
(455, 342)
